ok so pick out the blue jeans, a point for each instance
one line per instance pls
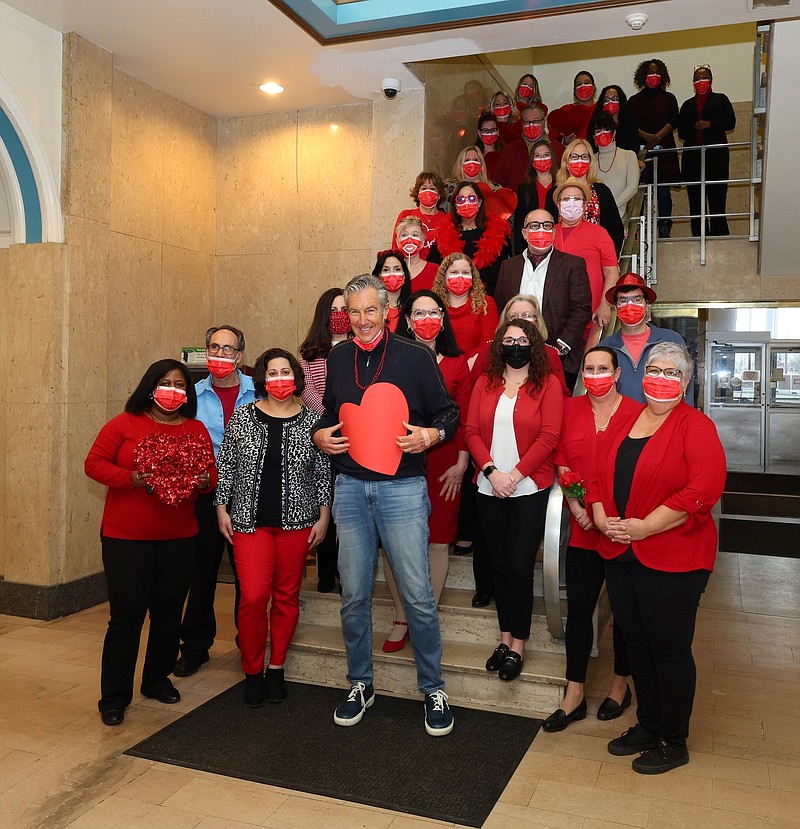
(397, 511)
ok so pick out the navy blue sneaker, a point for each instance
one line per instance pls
(351, 711)
(438, 716)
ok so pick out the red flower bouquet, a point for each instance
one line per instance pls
(572, 486)
(174, 462)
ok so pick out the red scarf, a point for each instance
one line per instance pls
(489, 246)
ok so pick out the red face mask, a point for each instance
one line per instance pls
(502, 111)
(410, 245)
(490, 140)
(585, 91)
(701, 87)
(525, 92)
(631, 314)
(598, 385)
(169, 398)
(611, 107)
(543, 165)
(459, 285)
(578, 168)
(393, 281)
(603, 139)
(653, 81)
(540, 239)
(428, 198)
(662, 389)
(533, 131)
(427, 328)
(339, 322)
(221, 367)
(280, 387)
(472, 169)
(468, 210)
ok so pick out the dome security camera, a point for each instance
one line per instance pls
(390, 87)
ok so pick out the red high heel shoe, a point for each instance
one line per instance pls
(392, 647)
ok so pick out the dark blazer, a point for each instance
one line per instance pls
(718, 111)
(566, 300)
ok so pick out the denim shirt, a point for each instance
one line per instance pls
(209, 406)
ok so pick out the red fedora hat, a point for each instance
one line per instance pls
(631, 280)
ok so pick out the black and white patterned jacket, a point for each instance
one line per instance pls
(305, 471)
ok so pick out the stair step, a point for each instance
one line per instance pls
(317, 656)
(459, 620)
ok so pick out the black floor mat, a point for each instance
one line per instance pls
(387, 760)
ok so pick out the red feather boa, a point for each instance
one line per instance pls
(489, 246)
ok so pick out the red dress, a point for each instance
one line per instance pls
(473, 330)
(443, 521)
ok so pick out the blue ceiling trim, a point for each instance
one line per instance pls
(27, 181)
(330, 21)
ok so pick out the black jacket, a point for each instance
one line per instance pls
(718, 110)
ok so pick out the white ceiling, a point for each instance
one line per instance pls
(213, 54)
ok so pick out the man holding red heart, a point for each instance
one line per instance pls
(385, 403)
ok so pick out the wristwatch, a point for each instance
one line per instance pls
(489, 469)
(442, 434)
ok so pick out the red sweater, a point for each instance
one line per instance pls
(682, 467)
(576, 450)
(473, 330)
(133, 513)
(537, 424)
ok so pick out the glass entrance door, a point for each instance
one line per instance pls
(735, 398)
(783, 409)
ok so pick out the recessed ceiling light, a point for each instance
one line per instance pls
(271, 88)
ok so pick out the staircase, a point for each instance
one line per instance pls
(317, 655)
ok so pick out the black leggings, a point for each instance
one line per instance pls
(585, 577)
(512, 529)
(657, 611)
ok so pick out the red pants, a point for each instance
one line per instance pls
(269, 564)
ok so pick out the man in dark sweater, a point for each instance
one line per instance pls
(385, 405)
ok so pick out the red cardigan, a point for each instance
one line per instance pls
(576, 450)
(537, 424)
(682, 467)
(132, 513)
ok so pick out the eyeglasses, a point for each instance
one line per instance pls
(421, 313)
(539, 226)
(489, 132)
(630, 300)
(526, 123)
(516, 341)
(464, 199)
(582, 157)
(671, 373)
(227, 350)
(525, 315)
(572, 198)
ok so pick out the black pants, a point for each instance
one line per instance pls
(717, 167)
(512, 528)
(142, 576)
(199, 626)
(657, 611)
(469, 529)
(585, 576)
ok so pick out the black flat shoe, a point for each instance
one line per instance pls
(481, 600)
(113, 716)
(188, 665)
(497, 658)
(511, 667)
(559, 719)
(611, 709)
(463, 549)
(167, 693)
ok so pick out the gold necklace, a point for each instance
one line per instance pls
(176, 422)
(613, 411)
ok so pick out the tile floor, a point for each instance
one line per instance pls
(59, 766)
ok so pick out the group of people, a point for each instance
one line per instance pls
(522, 145)
(430, 409)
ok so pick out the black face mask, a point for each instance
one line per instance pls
(516, 356)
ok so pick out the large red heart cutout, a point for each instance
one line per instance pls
(373, 426)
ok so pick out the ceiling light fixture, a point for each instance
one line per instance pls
(271, 88)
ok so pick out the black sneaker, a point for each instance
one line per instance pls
(664, 757)
(274, 684)
(254, 690)
(351, 711)
(633, 741)
(438, 716)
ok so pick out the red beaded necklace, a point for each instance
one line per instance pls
(380, 366)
